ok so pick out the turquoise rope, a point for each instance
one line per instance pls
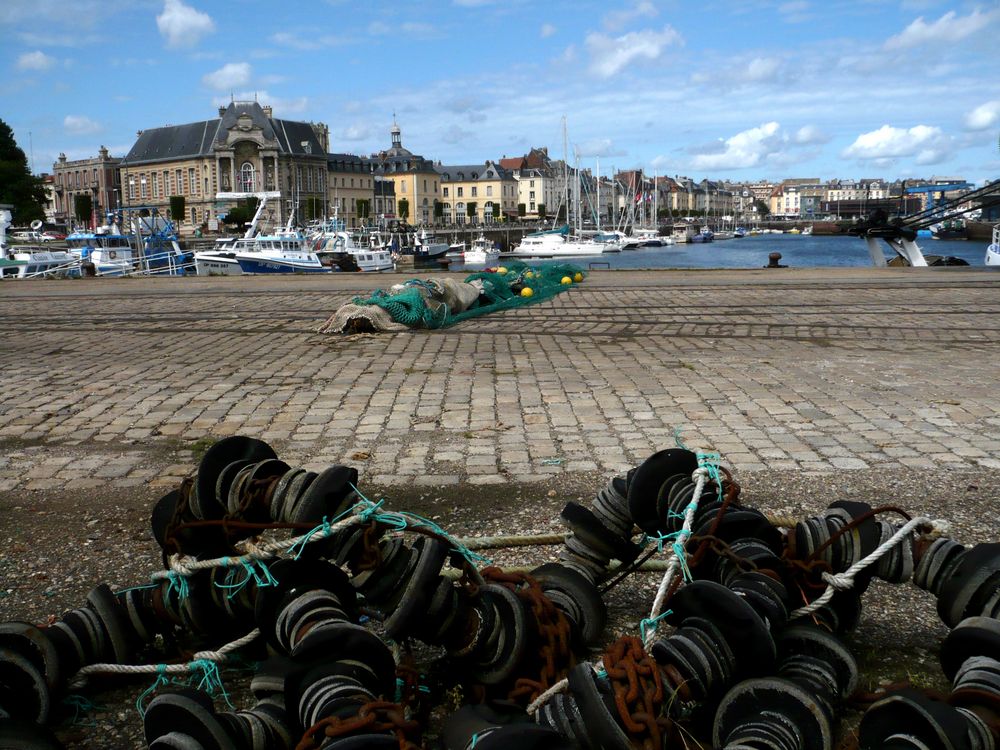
(400, 521)
(161, 679)
(211, 680)
(648, 624)
(262, 579)
(179, 582)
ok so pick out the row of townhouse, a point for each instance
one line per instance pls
(246, 149)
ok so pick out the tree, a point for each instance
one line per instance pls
(83, 207)
(761, 208)
(496, 211)
(541, 211)
(240, 214)
(314, 207)
(521, 210)
(18, 187)
(403, 206)
(177, 207)
(438, 210)
(470, 211)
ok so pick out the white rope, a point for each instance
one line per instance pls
(185, 566)
(700, 476)
(542, 699)
(217, 656)
(844, 581)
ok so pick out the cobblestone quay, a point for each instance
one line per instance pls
(814, 370)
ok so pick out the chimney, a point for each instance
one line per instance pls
(103, 153)
(268, 112)
(222, 111)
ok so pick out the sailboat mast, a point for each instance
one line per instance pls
(566, 169)
(598, 193)
(656, 209)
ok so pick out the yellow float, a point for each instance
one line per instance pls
(578, 278)
(526, 292)
(566, 280)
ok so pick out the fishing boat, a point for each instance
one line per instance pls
(993, 249)
(103, 252)
(683, 232)
(27, 262)
(705, 235)
(649, 238)
(277, 254)
(335, 246)
(482, 252)
(427, 249)
(950, 229)
(741, 232)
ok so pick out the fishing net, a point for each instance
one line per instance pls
(439, 303)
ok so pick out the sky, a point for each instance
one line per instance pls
(744, 90)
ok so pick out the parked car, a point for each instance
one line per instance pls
(53, 236)
(29, 236)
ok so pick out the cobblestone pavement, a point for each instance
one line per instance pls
(815, 370)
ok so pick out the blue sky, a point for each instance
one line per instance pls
(746, 90)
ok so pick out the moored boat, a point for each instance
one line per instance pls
(993, 249)
(482, 252)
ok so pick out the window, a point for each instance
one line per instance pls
(247, 177)
(489, 191)
(131, 187)
(179, 179)
(403, 186)
(425, 186)
(473, 191)
(192, 183)
(444, 192)
(531, 183)
(531, 195)
(194, 215)
(459, 192)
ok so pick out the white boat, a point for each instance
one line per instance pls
(483, 252)
(993, 250)
(219, 261)
(648, 237)
(808, 230)
(27, 262)
(335, 245)
(555, 243)
(103, 252)
(277, 254)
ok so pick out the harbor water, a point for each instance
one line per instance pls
(797, 251)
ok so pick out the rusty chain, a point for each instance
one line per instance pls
(374, 717)
(551, 627)
(638, 689)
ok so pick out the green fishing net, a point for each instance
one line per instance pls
(418, 304)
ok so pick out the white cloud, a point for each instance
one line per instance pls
(619, 19)
(228, 76)
(761, 69)
(984, 116)
(948, 28)
(547, 30)
(794, 11)
(928, 144)
(304, 40)
(81, 125)
(610, 55)
(355, 132)
(378, 28)
(746, 149)
(181, 25)
(36, 60)
(599, 147)
(808, 135)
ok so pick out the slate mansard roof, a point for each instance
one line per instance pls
(196, 139)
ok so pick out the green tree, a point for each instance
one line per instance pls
(761, 208)
(403, 207)
(521, 210)
(83, 207)
(177, 205)
(18, 187)
(470, 211)
(240, 214)
(438, 210)
(541, 211)
(364, 208)
(496, 211)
